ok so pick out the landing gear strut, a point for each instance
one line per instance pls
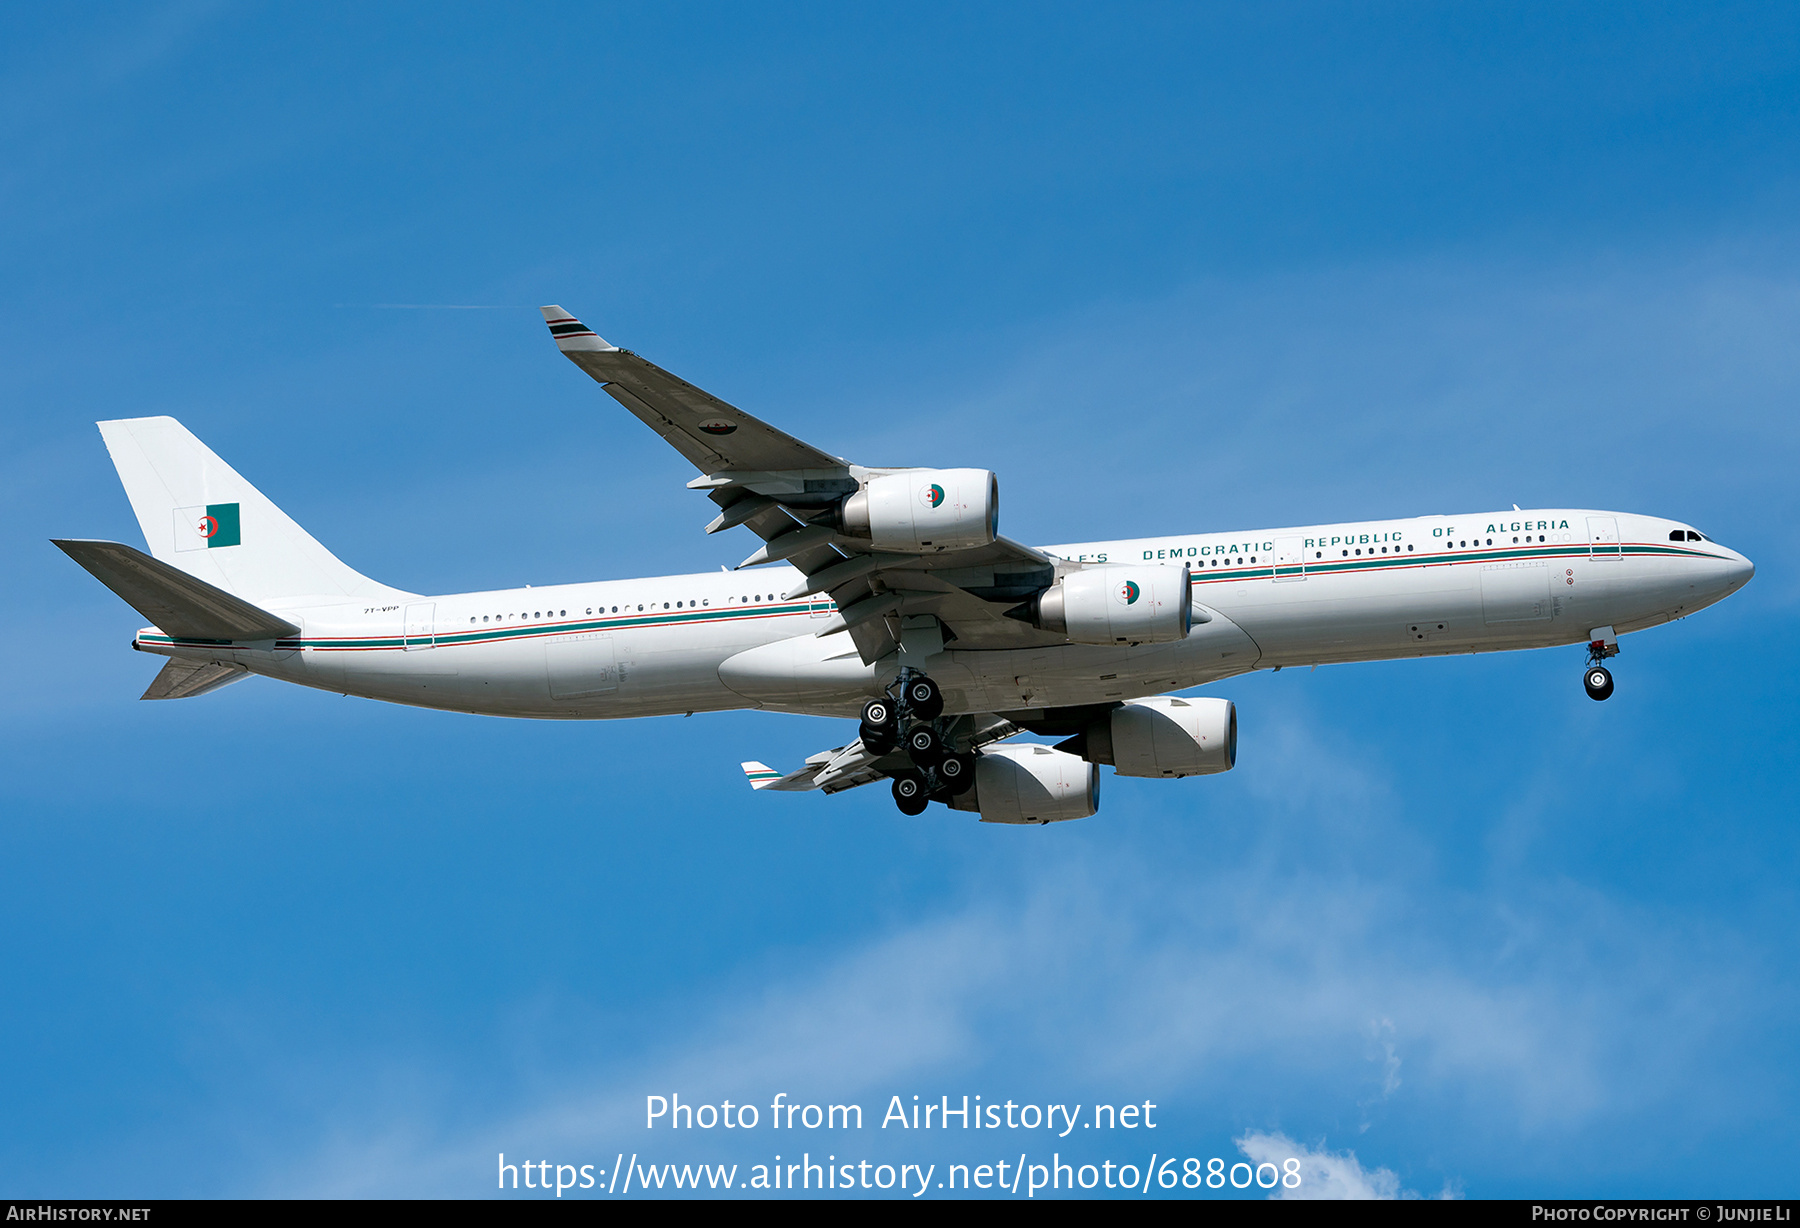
(1599, 680)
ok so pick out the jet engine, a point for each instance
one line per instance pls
(919, 510)
(1116, 605)
(1162, 735)
(1031, 784)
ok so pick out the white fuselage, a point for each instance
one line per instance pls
(719, 640)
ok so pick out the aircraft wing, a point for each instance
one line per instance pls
(785, 492)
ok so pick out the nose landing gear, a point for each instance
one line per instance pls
(1599, 680)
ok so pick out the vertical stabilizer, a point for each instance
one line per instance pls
(198, 514)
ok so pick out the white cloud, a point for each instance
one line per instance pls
(1321, 1174)
(1112, 974)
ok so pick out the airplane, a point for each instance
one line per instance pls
(884, 595)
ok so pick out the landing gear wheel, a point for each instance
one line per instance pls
(910, 795)
(878, 712)
(923, 699)
(1598, 681)
(877, 739)
(924, 746)
(956, 774)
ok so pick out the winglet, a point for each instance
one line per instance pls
(761, 774)
(572, 336)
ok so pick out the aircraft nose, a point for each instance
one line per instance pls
(1739, 571)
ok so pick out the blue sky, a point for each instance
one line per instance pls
(1448, 926)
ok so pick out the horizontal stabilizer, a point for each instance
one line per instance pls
(180, 604)
(186, 679)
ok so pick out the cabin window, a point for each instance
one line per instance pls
(1490, 541)
(678, 605)
(1318, 554)
(1359, 551)
(1540, 537)
(1409, 549)
(665, 605)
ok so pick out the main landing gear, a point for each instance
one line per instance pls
(907, 719)
(1599, 680)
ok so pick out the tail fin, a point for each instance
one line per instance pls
(199, 515)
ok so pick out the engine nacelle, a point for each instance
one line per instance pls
(1164, 735)
(1118, 605)
(920, 510)
(1031, 784)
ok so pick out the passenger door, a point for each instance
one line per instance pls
(1290, 558)
(1603, 538)
(421, 626)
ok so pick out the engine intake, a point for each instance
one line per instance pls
(1117, 605)
(919, 510)
(1163, 735)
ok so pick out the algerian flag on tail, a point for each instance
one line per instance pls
(209, 527)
